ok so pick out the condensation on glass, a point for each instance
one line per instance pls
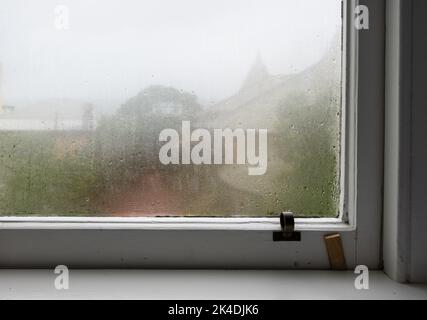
(86, 89)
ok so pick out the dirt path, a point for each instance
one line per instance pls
(148, 198)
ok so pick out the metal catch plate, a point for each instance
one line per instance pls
(288, 233)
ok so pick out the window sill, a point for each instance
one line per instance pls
(201, 285)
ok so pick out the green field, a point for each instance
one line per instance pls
(115, 171)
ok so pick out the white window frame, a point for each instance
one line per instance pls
(240, 242)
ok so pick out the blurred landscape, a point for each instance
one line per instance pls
(112, 168)
(93, 157)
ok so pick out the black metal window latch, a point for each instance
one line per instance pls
(288, 233)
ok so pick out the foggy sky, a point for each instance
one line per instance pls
(115, 48)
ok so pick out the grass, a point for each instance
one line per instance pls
(78, 173)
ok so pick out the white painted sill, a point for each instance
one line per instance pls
(203, 285)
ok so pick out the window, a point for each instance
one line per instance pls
(107, 88)
(96, 110)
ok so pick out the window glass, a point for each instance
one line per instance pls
(170, 108)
